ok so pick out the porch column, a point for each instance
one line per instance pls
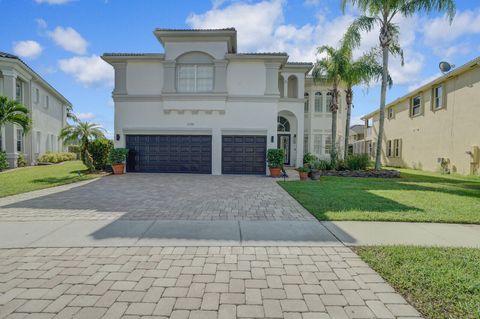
(300, 136)
(216, 151)
(10, 140)
(285, 85)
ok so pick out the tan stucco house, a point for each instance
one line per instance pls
(202, 106)
(436, 126)
(48, 109)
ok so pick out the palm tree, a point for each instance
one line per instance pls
(83, 133)
(12, 111)
(381, 13)
(330, 69)
(361, 71)
(70, 115)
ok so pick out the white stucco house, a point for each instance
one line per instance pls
(203, 107)
(48, 109)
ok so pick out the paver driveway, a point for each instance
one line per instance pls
(159, 196)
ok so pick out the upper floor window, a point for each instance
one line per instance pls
(19, 91)
(369, 122)
(329, 100)
(195, 72)
(318, 102)
(292, 87)
(391, 113)
(47, 101)
(306, 105)
(37, 95)
(416, 105)
(437, 97)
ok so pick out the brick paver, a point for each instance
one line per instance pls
(158, 196)
(194, 282)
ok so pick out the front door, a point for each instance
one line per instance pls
(284, 144)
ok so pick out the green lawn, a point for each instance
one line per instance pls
(416, 196)
(439, 282)
(31, 178)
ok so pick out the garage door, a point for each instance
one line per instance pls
(244, 154)
(169, 153)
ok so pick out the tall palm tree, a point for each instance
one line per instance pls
(381, 13)
(14, 112)
(83, 133)
(361, 71)
(330, 69)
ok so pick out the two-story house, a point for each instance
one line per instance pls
(48, 109)
(203, 107)
(434, 127)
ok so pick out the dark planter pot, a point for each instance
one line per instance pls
(118, 169)
(315, 175)
(303, 176)
(275, 171)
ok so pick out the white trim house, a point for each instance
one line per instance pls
(202, 107)
(48, 109)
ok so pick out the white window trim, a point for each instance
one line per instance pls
(434, 98)
(196, 65)
(420, 107)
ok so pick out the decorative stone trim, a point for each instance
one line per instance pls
(193, 111)
(368, 173)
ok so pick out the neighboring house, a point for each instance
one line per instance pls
(47, 106)
(202, 107)
(436, 126)
(357, 133)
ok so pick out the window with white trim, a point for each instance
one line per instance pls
(47, 101)
(19, 140)
(389, 148)
(195, 78)
(318, 102)
(317, 144)
(416, 105)
(397, 147)
(329, 101)
(437, 97)
(328, 144)
(391, 113)
(37, 95)
(19, 91)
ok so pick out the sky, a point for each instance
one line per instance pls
(63, 40)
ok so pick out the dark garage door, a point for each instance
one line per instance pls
(244, 154)
(169, 153)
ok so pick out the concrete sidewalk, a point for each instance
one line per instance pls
(355, 233)
(119, 232)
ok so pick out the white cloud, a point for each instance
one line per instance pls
(69, 39)
(311, 2)
(54, 2)
(254, 22)
(27, 49)
(90, 71)
(440, 34)
(41, 24)
(86, 116)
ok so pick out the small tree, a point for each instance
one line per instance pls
(83, 133)
(14, 112)
(100, 149)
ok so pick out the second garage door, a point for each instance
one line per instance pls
(169, 153)
(244, 154)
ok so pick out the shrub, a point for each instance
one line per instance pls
(118, 155)
(321, 165)
(21, 161)
(100, 150)
(74, 149)
(303, 169)
(51, 157)
(275, 157)
(309, 157)
(341, 165)
(3, 161)
(357, 162)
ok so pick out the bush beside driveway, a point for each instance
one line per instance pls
(26, 179)
(415, 197)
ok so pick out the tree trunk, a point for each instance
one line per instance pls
(383, 97)
(334, 108)
(348, 98)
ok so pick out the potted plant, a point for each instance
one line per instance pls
(275, 159)
(303, 172)
(117, 157)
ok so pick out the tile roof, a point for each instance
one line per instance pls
(130, 54)
(263, 53)
(299, 63)
(8, 55)
(189, 30)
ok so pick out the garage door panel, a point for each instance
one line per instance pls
(244, 154)
(169, 153)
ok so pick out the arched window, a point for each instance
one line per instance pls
(282, 124)
(329, 100)
(306, 105)
(318, 102)
(292, 87)
(195, 72)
